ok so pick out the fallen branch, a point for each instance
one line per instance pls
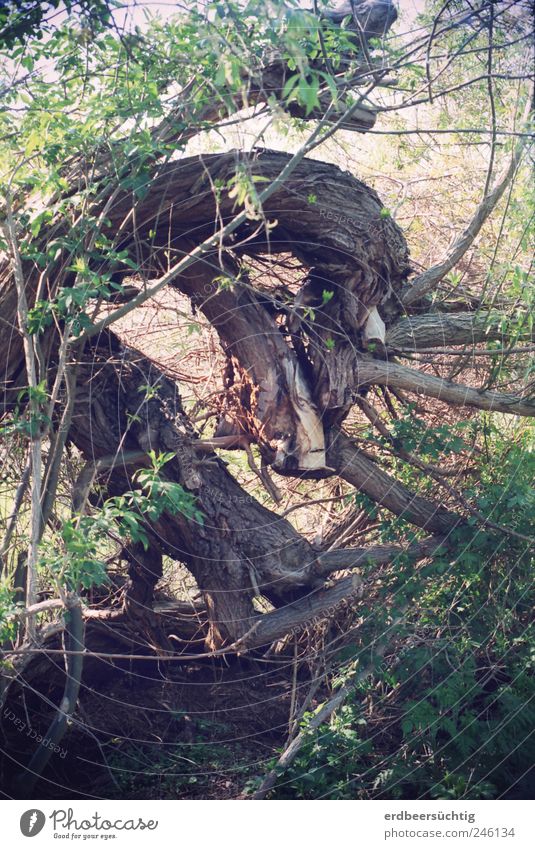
(289, 754)
(292, 618)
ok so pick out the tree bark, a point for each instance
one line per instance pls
(289, 383)
(366, 476)
(432, 330)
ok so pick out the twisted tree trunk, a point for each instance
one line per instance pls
(296, 367)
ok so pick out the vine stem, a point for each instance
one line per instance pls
(32, 370)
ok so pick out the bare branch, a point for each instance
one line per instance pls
(349, 558)
(353, 466)
(13, 518)
(292, 618)
(325, 712)
(400, 377)
(377, 555)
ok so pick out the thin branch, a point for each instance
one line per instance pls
(31, 361)
(427, 281)
(490, 85)
(92, 469)
(378, 555)
(309, 502)
(17, 504)
(430, 353)
(336, 559)
(374, 417)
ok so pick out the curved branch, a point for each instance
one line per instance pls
(259, 86)
(402, 377)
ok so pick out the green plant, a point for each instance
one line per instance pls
(454, 706)
(9, 610)
(76, 555)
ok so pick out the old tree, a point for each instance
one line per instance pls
(341, 433)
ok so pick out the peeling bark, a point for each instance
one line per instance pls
(269, 400)
(241, 548)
